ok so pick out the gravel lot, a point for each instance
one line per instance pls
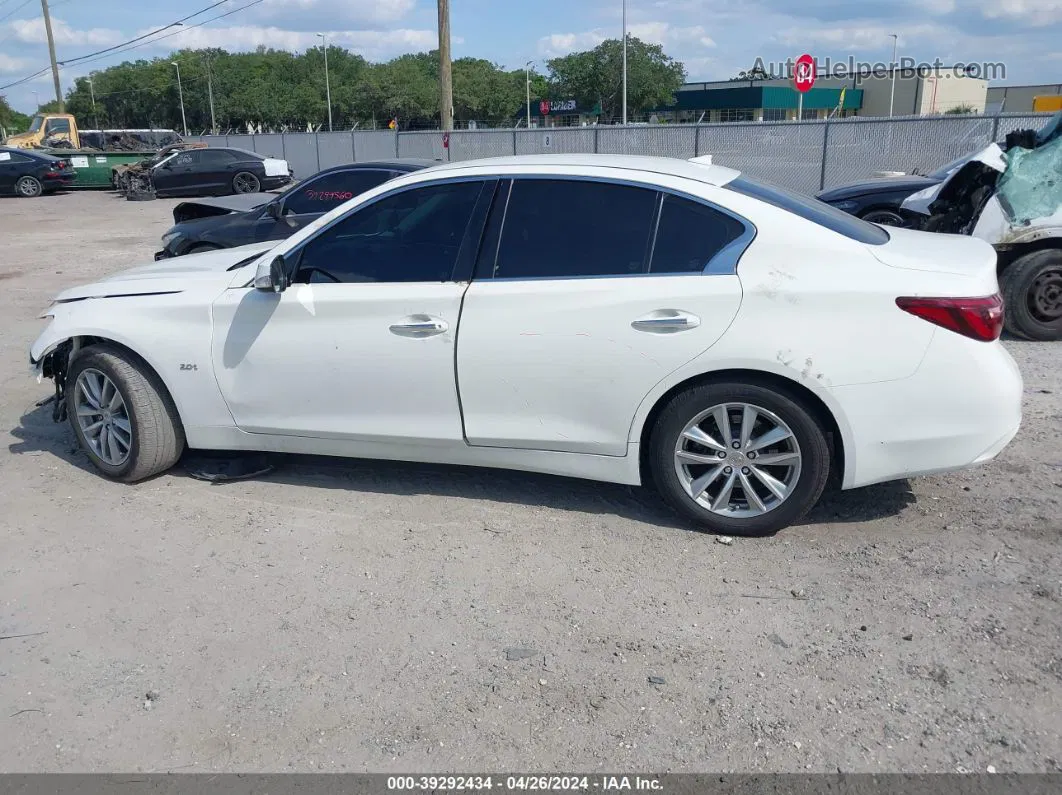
(358, 616)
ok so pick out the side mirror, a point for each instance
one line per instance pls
(272, 276)
(272, 210)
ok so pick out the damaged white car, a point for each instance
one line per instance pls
(1011, 196)
(605, 317)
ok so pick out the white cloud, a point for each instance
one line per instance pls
(858, 37)
(361, 12)
(1033, 12)
(557, 44)
(9, 65)
(665, 33)
(31, 31)
(372, 44)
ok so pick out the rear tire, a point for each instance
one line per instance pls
(28, 187)
(1032, 295)
(246, 182)
(136, 433)
(783, 490)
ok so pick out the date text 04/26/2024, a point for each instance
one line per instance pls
(531, 783)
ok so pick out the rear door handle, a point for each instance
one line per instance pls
(418, 326)
(666, 321)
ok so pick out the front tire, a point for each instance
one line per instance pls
(1032, 295)
(740, 459)
(246, 182)
(122, 415)
(28, 187)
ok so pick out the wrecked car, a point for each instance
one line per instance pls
(123, 174)
(1010, 196)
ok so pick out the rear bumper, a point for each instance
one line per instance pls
(961, 408)
(272, 183)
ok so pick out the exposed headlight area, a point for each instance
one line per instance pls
(170, 237)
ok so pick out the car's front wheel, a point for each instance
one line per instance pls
(122, 415)
(1032, 295)
(885, 218)
(246, 182)
(740, 459)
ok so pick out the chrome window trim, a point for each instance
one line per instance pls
(724, 263)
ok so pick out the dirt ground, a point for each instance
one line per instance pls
(358, 616)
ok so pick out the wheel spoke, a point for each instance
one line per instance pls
(698, 486)
(722, 500)
(774, 459)
(774, 436)
(93, 430)
(116, 401)
(751, 496)
(748, 420)
(698, 436)
(88, 411)
(112, 448)
(722, 419)
(122, 424)
(777, 487)
(696, 458)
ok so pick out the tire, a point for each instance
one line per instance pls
(28, 187)
(804, 477)
(202, 248)
(147, 419)
(246, 182)
(885, 218)
(1032, 295)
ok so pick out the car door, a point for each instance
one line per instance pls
(9, 170)
(310, 200)
(597, 291)
(360, 347)
(214, 170)
(177, 175)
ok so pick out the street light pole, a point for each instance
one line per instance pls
(624, 61)
(892, 90)
(527, 81)
(180, 93)
(328, 87)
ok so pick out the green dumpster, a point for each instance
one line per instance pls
(93, 167)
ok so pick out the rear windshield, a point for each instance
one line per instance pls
(812, 210)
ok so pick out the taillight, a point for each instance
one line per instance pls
(977, 318)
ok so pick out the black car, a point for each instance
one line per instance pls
(879, 200)
(218, 171)
(239, 220)
(28, 174)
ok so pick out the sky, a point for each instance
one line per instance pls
(715, 39)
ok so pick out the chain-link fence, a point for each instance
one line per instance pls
(806, 156)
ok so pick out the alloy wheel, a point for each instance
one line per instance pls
(246, 183)
(29, 187)
(738, 460)
(103, 417)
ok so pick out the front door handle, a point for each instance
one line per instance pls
(418, 326)
(666, 321)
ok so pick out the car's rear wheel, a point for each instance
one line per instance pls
(28, 187)
(246, 182)
(885, 218)
(1032, 295)
(740, 459)
(122, 415)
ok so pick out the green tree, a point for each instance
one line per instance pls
(596, 76)
(11, 120)
(960, 110)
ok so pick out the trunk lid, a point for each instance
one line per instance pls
(932, 252)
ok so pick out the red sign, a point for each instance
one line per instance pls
(446, 140)
(543, 107)
(804, 73)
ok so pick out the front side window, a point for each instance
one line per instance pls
(331, 190)
(36, 124)
(185, 159)
(559, 227)
(411, 236)
(689, 235)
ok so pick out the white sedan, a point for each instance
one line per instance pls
(603, 317)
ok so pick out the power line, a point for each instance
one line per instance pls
(15, 10)
(73, 61)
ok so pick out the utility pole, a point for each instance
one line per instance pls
(328, 87)
(446, 91)
(180, 93)
(624, 61)
(51, 54)
(527, 80)
(92, 93)
(210, 94)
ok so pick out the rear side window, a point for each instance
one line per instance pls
(322, 194)
(557, 227)
(215, 156)
(812, 210)
(689, 235)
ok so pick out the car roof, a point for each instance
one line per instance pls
(28, 153)
(397, 164)
(670, 166)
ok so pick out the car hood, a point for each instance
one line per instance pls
(168, 275)
(240, 203)
(881, 185)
